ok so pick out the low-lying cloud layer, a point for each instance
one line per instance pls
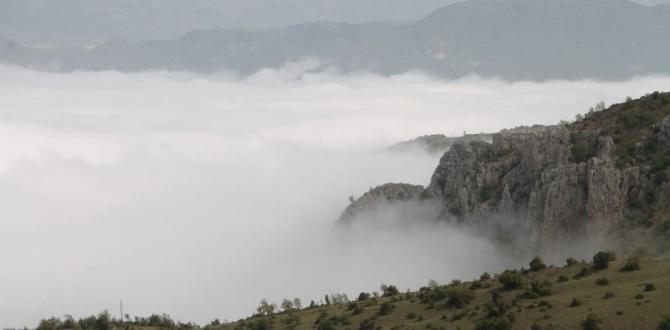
(198, 196)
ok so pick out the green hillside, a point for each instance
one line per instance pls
(551, 298)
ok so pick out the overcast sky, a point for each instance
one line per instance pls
(199, 196)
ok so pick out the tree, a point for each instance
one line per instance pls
(632, 264)
(602, 259)
(570, 261)
(592, 322)
(510, 280)
(386, 308)
(287, 305)
(297, 303)
(49, 324)
(103, 321)
(265, 308)
(459, 297)
(363, 296)
(540, 288)
(389, 290)
(327, 300)
(537, 264)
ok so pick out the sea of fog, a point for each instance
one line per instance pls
(197, 196)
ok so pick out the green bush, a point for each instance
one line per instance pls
(570, 261)
(500, 323)
(649, 287)
(602, 259)
(363, 296)
(563, 278)
(602, 281)
(584, 272)
(386, 308)
(592, 322)
(537, 265)
(664, 323)
(458, 297)
(540, 288)
(632, 264)
(259, 324)
(582, 151)
(367, 325)
(510, 280)
(389, 290)
(576, 302)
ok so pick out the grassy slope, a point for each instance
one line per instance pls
(637, 313)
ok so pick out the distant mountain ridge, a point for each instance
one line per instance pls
(91, 22)
(510, 39)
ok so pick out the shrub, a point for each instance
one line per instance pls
(591, 322)
(386, 308)
(485, 277)
(602, 259)
(538, 289)
(458, 298)
(570, 261)
(602, 281)
(576, 302)
(367, 325)
(537, 265)
(500, 323)
(260, 324)
(581, 151)
(411, 315)
(363, 296)
(584, 272)
(389, 290)
(608, 295)
(326, 325)
(510, 280)
(649, 287)
(664, 323)
(632, 264)
(563, 278)
(357, 310)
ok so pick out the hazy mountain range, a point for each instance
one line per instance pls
(512, 39)
(86, 22)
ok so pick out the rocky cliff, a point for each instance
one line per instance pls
(604, 172)
(437, 143)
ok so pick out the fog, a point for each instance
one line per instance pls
(197, 196)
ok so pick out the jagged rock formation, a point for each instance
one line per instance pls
(375, 197)
(437, 143)
(566, 181)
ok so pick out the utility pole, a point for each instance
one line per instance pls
(121, 307)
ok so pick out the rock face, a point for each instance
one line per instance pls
(438, 143)
(531, 175)
(377, 196)
(528, 173)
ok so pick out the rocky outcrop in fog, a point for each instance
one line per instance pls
(437, 143)
(566, 181)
